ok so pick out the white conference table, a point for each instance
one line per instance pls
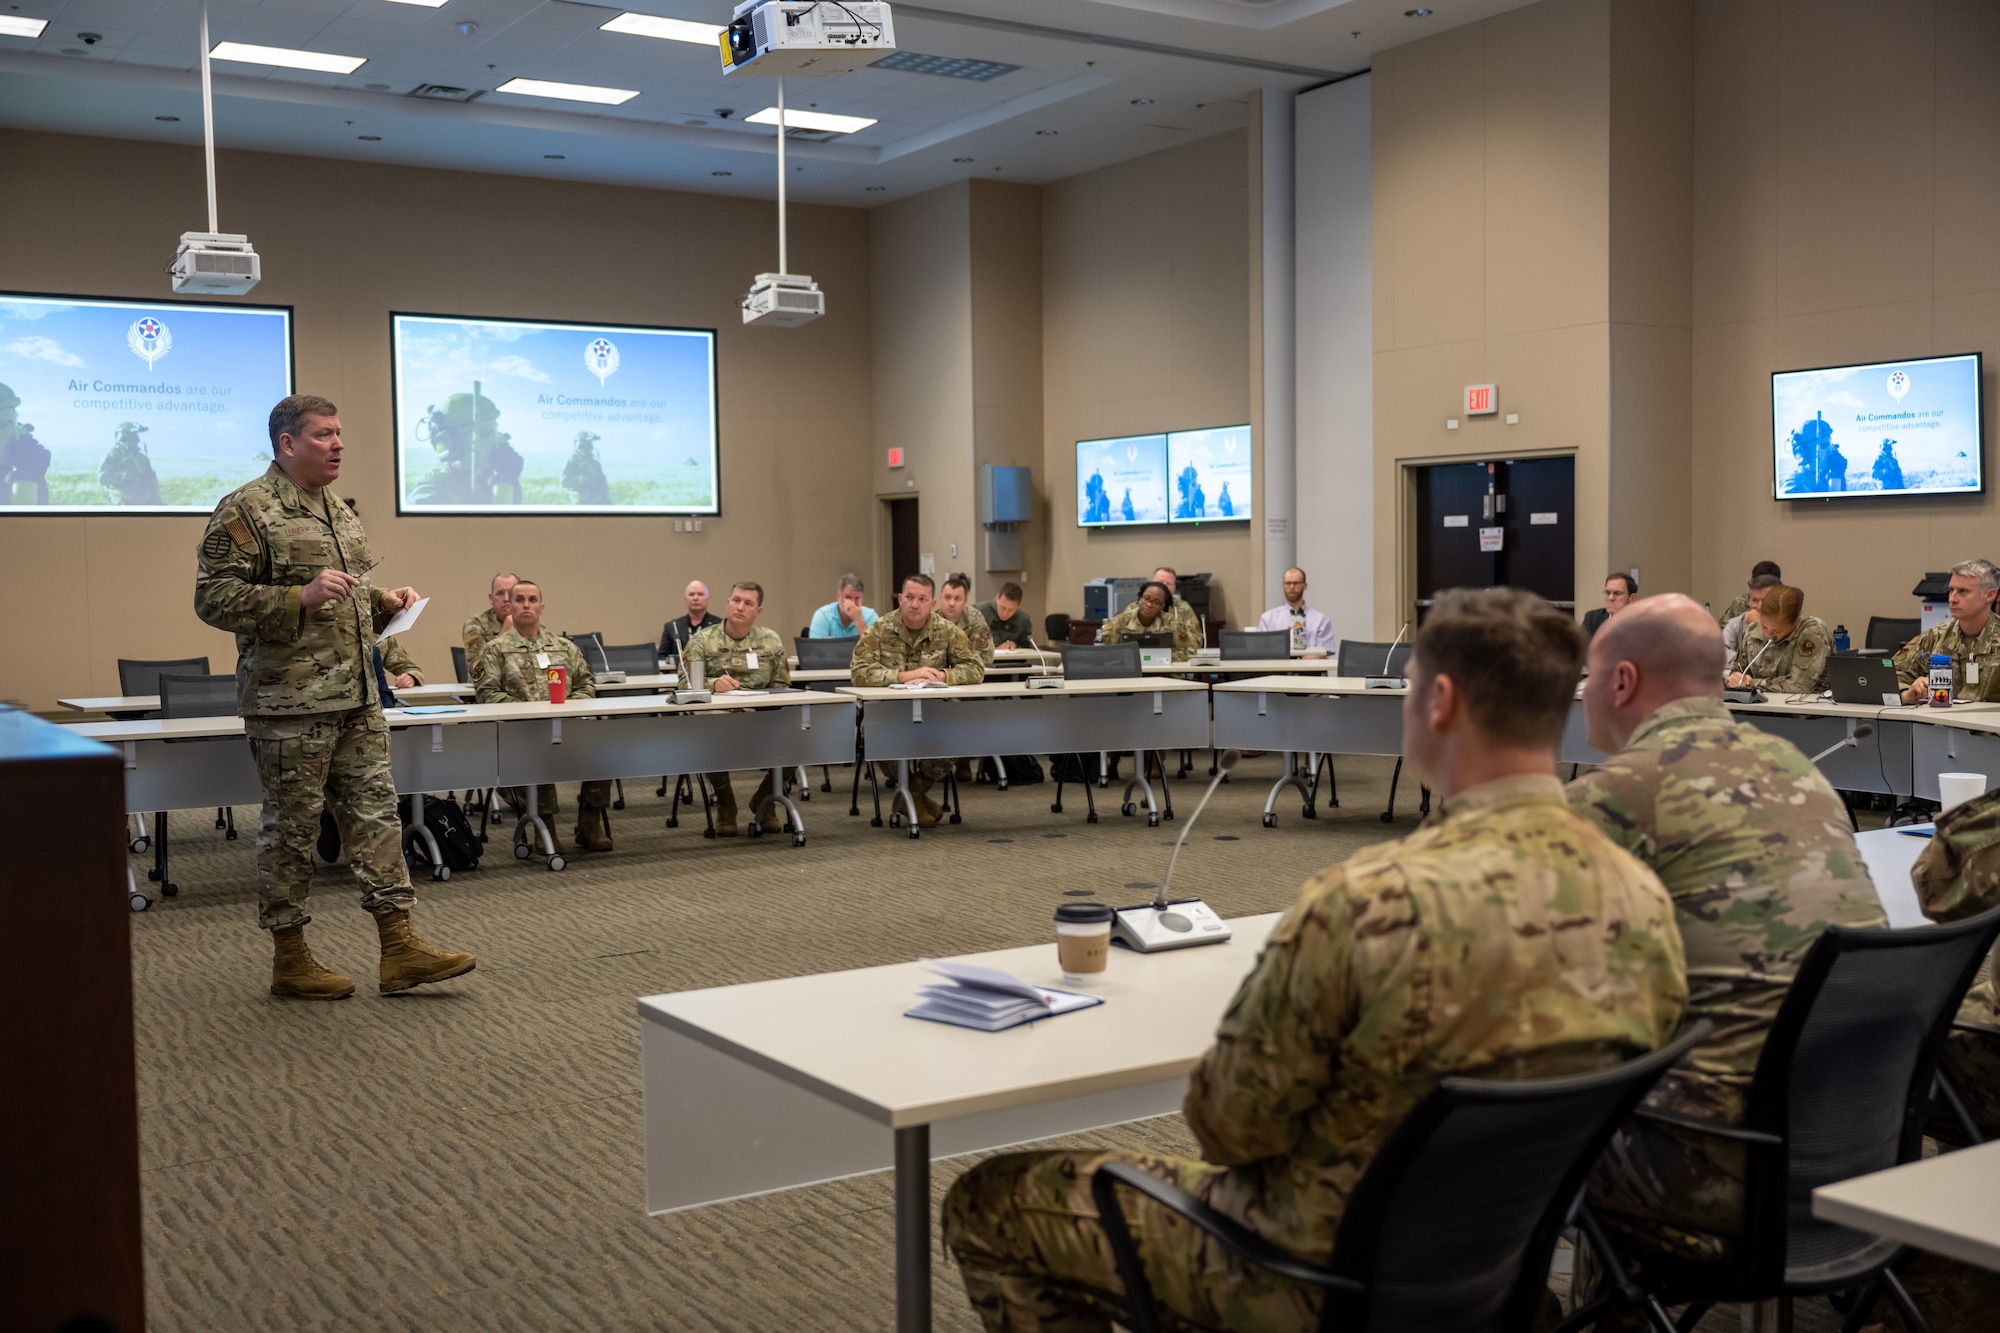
(1949, 1204)
(1126, 714)
(450, 692)
(777, 1084)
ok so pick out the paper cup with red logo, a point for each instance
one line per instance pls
(558, 678)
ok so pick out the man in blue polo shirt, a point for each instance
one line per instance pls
(844, 617)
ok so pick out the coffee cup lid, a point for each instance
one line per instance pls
(1082, 914)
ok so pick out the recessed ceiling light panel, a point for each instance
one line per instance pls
(811, 120)
(427, 4)
(285, 57)
(949, 67)
(670, 30)
(568, 92)
(14, 25)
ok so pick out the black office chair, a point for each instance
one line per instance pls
(590, 644)
(829, 655)
(1359, 658)
(1055, 629)
(1888, 634)
(1102, 661)
(1451, 1228)
(189, 695)
(1241, 644)
(634, 659)
(1841, 1090)
(142, 676)
(461, 667)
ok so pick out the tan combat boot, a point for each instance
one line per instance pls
(297, 975)
(407, 961)
(774, 818)
(725, 808)
(589, 831)
(928, 811)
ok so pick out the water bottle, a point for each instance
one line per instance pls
(1840, 640)
(1940, 680)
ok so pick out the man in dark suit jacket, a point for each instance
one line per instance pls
(685, 627)
(1619, 590)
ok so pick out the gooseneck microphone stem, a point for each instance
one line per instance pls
(1223, 764)
(1860, 733)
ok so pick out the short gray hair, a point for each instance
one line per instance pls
(850, 581)
(1985, 571)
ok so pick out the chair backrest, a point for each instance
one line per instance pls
(1453, 1223)
(825, 654)
(1106, 661)
(136, 676)
(634, 659)
(1372, 659)
(1256, 643)
(1845, 1078)
(1055, 628)
(1890, 633)
(197, 696)
(460, 667)
(591, 645)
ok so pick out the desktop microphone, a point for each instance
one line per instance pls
(1164, 924)
(1748, 694)
(607, 676)
(1385, 681)
(1854, 738)
(1042, 678)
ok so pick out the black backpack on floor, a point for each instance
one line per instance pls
(1023, 770)
(456, 841)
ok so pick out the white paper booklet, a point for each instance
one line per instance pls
(988, 1000)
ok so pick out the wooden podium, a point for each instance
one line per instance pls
(69, 1119)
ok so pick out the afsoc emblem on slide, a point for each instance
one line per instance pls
(600, 357)
(149, 340)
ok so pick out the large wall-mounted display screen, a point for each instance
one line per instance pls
(135, 407)
(512, 416)
(1883, 428)
(1211, 474)
(1121, 481)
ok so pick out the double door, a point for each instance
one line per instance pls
(1502, 523)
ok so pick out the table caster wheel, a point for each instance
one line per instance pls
(153, 874)
(618, 804)
(913, 830)
(1128, 809)
(756, 829)
(230, 836)
(1386, 817)
(798, 840)
(1152, 821)
(1308, 812)
(140, 902)
(142, 845)
(954, 817)
(1270, 821)
(557, 863)
(170, 890)
(1056, 809)
(1090, 818)
(875, 822)
(441, 873)
(896, 820)
(521, 851)
(708, 833)
(673, 821)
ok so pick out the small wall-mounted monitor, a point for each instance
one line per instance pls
(1121, 481)
(1210, 472)
(1880, 428)
(135, 407)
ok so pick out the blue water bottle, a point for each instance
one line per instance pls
(1840, 640)
(1940, 680)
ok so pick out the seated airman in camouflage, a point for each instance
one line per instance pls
(1448, 952)
(482, 629)
(1971, 639)
(1784, 651)
(739, 654)
(955, 605)
(1760, 858)
(917, 644)
(1150, 615)
(515, 667)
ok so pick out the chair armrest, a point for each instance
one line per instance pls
(1231, 1234)
(1984, 1029)
(1688, 1122)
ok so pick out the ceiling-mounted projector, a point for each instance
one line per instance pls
(783, 300)
(215, 263)
(806, 36)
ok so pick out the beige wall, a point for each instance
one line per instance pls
(1146, 327)
(1007, 373)
(1832, 229)
(347, 242)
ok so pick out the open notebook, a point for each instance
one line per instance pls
(988, 1000)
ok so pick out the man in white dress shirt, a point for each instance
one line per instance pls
(1308, 628)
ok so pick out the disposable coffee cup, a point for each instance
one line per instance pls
(558, 678)
(1083, 940)
(1958, 788)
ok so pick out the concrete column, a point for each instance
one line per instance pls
(1280, 362)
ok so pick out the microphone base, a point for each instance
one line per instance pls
(691, 696)
(1385, 683)
(1184, 923)
(610, 678)
(1044, 682)
(1733, 695)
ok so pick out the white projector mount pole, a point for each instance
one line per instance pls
(208, 123)
(782, 128)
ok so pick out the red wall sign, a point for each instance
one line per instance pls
(1481, 399)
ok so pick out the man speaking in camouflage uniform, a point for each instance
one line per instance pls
(1971, 639)
(1760, 858)
(284, 567)
(917, 644)
(1453, 951)
(739, 654)
(514, 668)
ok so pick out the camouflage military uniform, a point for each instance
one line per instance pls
(890, 646)
(1185, 620)
(1126, 625)
(1978, 656)
(305, 681)
(477, 632)
(510, 669)
(1795, 664)
(396, 661)
(722, 656)
(1736, 608)
(977, 634)
(1759, 856)
(1510, 939)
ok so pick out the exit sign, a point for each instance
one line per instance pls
(895, 458)
(1481, 400)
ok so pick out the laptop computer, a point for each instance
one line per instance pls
(1863, 678)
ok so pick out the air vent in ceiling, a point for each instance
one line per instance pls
(948, 67)
(795, 134)
(444, 92)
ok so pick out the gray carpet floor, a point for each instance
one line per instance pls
(467, 1156)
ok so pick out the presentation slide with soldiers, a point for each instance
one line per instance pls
(1211, 472)
(520, 416)
(1888, 427)
(147, 407)
(1121, 481)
